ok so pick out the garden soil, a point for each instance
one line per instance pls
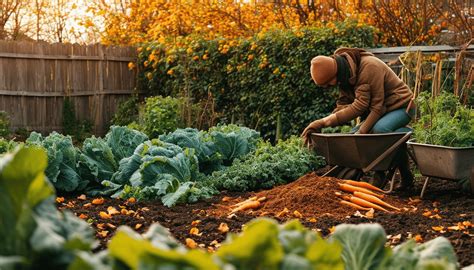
(446, 211)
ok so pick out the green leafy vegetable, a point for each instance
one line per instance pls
(268, 166)
(34, 234)
(62, 160)
(96, 161)
(123, 141)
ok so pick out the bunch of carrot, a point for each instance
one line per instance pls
(363, 196)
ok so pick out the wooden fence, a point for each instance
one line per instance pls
(35, 78)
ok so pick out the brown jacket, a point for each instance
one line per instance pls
(377, 90)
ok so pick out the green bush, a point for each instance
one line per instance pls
(127, 112)
(255, 81)
(161, 115)
(444, 121)
(4, 124)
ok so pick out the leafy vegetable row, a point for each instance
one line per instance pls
(35, 235)
(183, 166)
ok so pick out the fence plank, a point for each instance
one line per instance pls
(36, 77)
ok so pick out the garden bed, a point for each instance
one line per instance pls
(444, 212)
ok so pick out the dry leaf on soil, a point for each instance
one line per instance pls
(223, 228)
(190, 243)
(98, 201)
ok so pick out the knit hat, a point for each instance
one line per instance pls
(323, 69)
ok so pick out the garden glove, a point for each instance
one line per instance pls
(314, 127)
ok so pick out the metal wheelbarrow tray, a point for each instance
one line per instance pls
(452, 163)
(359, 151)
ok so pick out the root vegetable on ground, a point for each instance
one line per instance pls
(246, 206)
(362, 185)
(353, 205)
(368, 204)
(351, 189)
(374, 199)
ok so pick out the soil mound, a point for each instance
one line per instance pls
(311, 196)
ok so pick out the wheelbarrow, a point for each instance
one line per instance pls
(444, 162)
(366, 152)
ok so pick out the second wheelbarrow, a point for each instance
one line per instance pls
(361, 151)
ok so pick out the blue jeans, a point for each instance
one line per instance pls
(394, 121)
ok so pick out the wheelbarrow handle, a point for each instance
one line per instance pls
(387, 152)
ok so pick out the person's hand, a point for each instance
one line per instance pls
(315, 126)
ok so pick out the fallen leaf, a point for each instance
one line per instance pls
(284, 212)
(438, 229)
(98, 201)
(70, 204)
(82, 197)
(332, 229)
(214, 243)
(59, 199)
(418, 238)
(297, 214)
(427, 213)
(223, 227)
(112, 211)
(100, 226)
(370, 213)
(82, 216)
(462, 215)
(190, 243)
(87, 205)
(145, 209)
(194, 231)
(455, 228)
(138, 226)
(124, 211)
(104, 215)
(436, 204)
(396, 239)
(436, 216)
(103, 234)
(313, 220)
(201, 245)
(112, 226)
(263, 214)
(195, 222)
(131, 200)
(211, 249)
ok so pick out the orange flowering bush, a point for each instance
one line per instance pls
(252, 81)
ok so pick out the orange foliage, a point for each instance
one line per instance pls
(401, 22)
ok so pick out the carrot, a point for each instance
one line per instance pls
(353, 205)
(247, 205)
(349, 188)
(246, 201)
(365, 203)
(374, 199)
(362, 185)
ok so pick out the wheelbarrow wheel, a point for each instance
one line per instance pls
(349, 173)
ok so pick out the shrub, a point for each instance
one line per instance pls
(444, 121)
(4, 124)
(161, 115)
(253, 81)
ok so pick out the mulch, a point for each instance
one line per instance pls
(311, 198)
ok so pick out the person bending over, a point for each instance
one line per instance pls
(368, 89)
